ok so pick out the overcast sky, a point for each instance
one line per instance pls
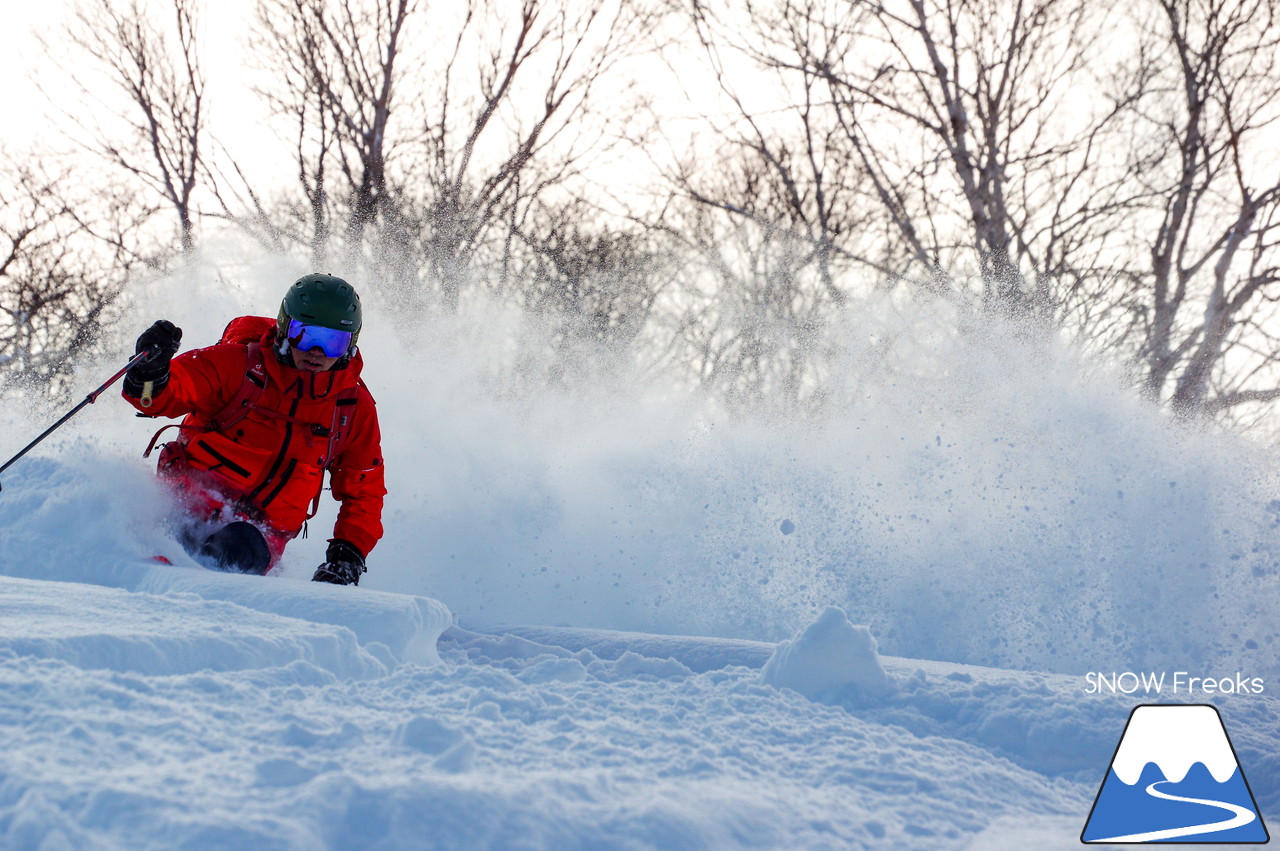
(235, 114)
(18, 60)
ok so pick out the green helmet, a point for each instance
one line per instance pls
(324, 300)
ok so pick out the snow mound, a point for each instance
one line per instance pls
(396, 628)
(109, 543)
(110, 629)
(506, 744)
(829, 659)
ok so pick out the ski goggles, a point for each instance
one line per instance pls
(331, 341)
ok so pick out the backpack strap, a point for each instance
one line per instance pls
(251, 389)
(238, 406)
(344, 410)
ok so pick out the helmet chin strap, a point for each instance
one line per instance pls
(282, 352)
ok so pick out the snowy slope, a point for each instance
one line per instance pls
(141, 721)
(171, 707)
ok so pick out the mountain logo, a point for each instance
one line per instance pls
(1175, 778)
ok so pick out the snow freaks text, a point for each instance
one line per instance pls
(1179, 682)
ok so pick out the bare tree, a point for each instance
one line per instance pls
(915, 141)
(770, 207)
(61, 275)
(1103, 173)
(597, 280)
(433, 156)
(516, 119)
(157, 71)
(589, 290)
(785, 167)
(342, 65)
(753, 304)
(966, 120)
(1207, 296)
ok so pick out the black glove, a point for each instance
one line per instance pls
(343, 564)
(161, 342)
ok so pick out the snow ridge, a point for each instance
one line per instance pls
(828, 657)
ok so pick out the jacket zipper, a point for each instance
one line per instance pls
(279, 459)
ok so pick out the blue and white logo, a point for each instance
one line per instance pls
(1175, 778)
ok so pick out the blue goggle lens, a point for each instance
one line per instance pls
(332, 342)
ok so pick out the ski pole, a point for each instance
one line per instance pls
(88, 400)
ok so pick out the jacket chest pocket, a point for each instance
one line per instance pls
(298, 484)
(234, 461)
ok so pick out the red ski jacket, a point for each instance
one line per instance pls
(269, 464)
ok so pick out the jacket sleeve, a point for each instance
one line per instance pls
(358, 479)
(201, 381)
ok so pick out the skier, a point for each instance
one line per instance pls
(267, 411)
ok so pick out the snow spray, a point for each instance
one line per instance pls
(976, 495)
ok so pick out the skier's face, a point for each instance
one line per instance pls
(312, 361)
